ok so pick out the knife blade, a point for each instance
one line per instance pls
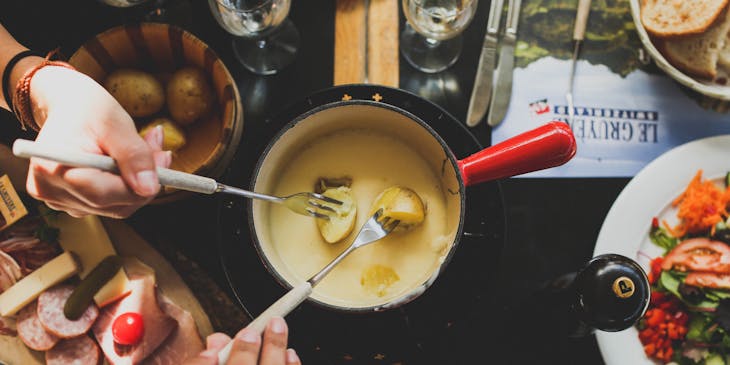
(481, 93)
(503, 79)
(579, 30)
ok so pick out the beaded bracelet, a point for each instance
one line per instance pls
(22, 104)
(9, 70)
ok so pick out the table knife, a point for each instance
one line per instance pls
(503, 78)
(481, 93)
(579, 30)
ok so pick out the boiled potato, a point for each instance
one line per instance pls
(173, 137)
(340, 224)
(377, 279)
(400, 203)
(189, 95)
(139, 93)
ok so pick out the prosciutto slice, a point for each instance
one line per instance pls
(9, 271)
(183, 343)
(8, 326)
(157, 324)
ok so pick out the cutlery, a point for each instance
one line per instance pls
(579, 30)
(481, 93)
(311, 204)
(503, 79)
(374, 229)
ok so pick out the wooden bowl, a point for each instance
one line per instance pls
(160, 49)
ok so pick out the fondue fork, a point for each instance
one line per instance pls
(305, 203)
(374, 229)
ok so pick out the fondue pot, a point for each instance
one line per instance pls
(547, 146)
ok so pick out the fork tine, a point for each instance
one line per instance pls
(390, 226)
(321, 206)
(317, 215)
(326, 199)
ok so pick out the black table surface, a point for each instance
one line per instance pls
(551, 224)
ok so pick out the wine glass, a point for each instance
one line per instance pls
(431, 40)
(265, 40)
(123, 3)
(153, 10)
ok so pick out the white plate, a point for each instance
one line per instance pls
(704, 87)
(626, 228)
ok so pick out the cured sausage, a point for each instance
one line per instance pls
(50, 313)
(80, 350)
(32, 332)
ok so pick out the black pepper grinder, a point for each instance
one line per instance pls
(610, 293)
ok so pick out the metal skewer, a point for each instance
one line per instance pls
(579, 30)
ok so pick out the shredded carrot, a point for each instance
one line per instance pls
(701, 206)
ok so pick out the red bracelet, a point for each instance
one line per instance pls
(22, 107)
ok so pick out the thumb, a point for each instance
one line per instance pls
(154, 139)
(135, 159)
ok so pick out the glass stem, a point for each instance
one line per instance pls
(431, 43)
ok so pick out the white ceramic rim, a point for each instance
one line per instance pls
(626, 227)
(715, 91)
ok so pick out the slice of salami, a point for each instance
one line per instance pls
(50, 313)
(80, 350)
(32, 332)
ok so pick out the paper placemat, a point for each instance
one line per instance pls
(628, 112)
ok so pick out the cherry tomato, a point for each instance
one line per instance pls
(128, 328)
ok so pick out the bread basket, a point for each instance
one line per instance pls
(160, 49)
(709, 89)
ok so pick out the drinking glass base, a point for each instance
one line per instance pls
(267, 56)
(427, 55)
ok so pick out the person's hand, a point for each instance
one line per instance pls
(248, 348)
(76, 112)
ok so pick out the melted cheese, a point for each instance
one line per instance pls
(374, 162)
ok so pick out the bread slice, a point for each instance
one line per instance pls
(697, 55)
(672, 18)
(724, 59)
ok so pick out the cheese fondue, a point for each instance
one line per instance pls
(379, 272)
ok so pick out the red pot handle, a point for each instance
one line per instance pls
(550, 145)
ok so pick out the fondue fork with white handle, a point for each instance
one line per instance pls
(374, 229)
(306, 203)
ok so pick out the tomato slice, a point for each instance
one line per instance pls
(708, 280)
(699, 254)
(128, 328)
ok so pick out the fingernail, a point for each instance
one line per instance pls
(278, 325)
(291, 356)
(208, 353)
(168, 158)
(147, 181)
(160, 135)
(248, 336)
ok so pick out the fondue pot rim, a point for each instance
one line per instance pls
(413, 293)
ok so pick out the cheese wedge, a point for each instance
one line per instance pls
(87, 238)
(30, 287)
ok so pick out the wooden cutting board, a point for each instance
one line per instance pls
(127, 243)
(366, 42)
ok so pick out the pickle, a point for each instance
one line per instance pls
(84, 293)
